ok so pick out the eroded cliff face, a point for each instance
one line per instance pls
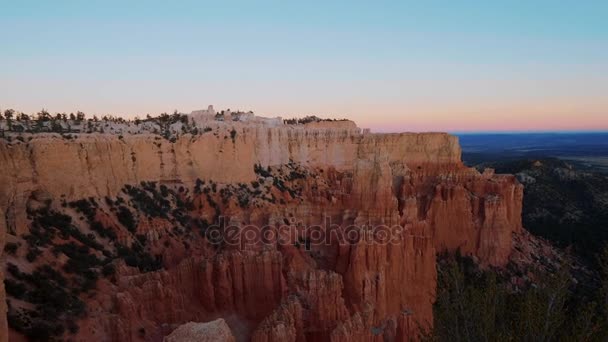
(100, 165)
(3, 308)
(405, 197)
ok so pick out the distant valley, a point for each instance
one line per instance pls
(588, 151)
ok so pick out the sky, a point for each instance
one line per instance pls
(457, 66)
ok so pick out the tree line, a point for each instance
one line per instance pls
(474, 304)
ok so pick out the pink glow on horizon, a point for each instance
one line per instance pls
(542, 115)
(565, 116)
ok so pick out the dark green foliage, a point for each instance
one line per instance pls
(108, 270)
(243, 200)
(164, 191)
(11, 248)
(138, 257)
(601, 299)
(54, 219)
(280, 177)
(81, 262)
(88, 209)
(14, 270)
(182, 218)
(32, 254)
(279, 184)
(198, 185)
(47, 223)
(35, 328)
(225, 194)
(80, 258)
(563, 204)
(125, 217)
(292, 193)
(295, 174)
(14, 288)
(308, 119)
(477, 305)
(260, 170)
(54, 296)
(55, 234)
(233, 135)
(85, 207)
(103, 231)
(88, 279)
(165, 121)
(148, 200)
(54, 303)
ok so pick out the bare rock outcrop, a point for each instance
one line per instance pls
(214, 331)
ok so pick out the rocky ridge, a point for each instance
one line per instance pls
(332, 176)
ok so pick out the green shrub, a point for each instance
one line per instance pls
(15, 288)
(477, 305)
(125, 217)
(108, 270)
(148, 200)
(54, 304)
(11, 248)
(14, 271)
(137, 257)
(233, 135)
(164, 191)
(84, 207)
(258, 169)
(103, 231)
(32, 254)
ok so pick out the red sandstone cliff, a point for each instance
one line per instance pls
(339, 290)
(3, 308)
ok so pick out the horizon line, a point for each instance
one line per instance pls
(560, 131)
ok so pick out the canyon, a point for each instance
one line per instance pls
(290, 232)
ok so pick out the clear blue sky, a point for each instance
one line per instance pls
(403, 65)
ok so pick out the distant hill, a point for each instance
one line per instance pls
(562, 203)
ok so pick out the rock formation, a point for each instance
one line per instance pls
(381, 207)
(3, 309)
(214, 331)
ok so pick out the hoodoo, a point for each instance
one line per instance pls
(286, 230)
